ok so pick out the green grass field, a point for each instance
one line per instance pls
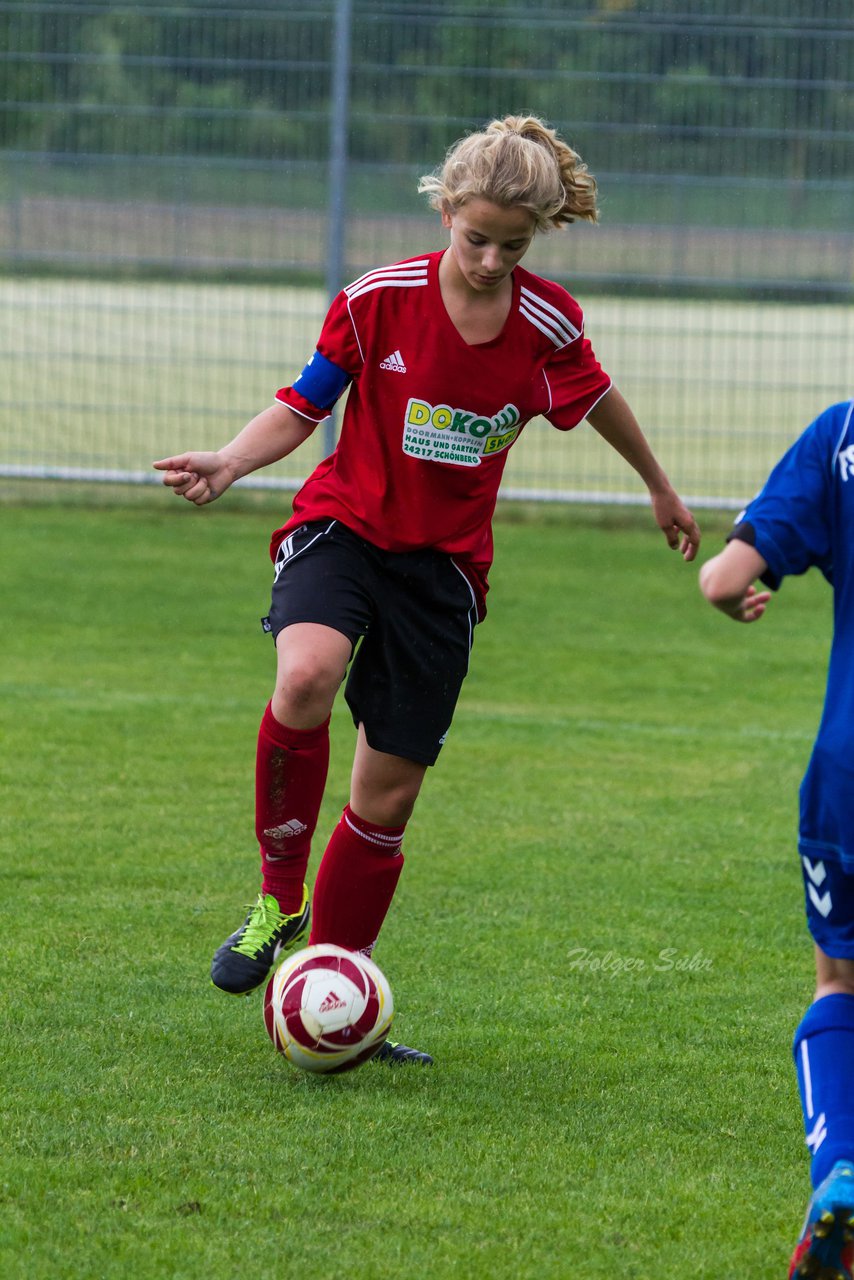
(598, 933)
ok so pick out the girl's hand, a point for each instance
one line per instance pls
(673, 518)
(198, 477)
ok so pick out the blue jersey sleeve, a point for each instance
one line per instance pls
(790, 521)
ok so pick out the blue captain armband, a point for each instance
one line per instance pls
(321, 382)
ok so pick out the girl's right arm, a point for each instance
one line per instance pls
(270, 436)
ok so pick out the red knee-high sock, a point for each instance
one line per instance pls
(355, 883)
(290, 775)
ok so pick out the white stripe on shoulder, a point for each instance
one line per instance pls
(405, 275)
(548, 319)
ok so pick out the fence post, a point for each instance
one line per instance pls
(339, 122)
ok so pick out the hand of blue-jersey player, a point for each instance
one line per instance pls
(727, 582)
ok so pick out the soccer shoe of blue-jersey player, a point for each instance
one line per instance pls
(825, 1250)
(245, 959)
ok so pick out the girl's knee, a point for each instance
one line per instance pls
(391, 807)
(305, 691)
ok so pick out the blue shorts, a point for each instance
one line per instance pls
(410, 617)
(829, 898)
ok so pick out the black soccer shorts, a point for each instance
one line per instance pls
(410, 617)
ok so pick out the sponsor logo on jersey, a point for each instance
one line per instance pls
(394, 363)
(438, 433)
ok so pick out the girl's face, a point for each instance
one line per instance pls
(487, 240)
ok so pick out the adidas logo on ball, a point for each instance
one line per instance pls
(328, 1009)
(332, 1002)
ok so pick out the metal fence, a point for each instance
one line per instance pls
(182, 185)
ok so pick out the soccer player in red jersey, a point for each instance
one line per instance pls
(447, 356)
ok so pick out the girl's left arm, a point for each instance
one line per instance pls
(616, 423)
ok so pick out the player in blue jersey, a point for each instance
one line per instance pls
(804, 516)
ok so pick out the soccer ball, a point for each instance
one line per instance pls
(328, 1009)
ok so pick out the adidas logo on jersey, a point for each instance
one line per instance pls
(394, 363)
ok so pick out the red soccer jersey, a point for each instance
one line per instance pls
(429, 418)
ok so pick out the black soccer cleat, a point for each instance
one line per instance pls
(396, 1055)
(245, 959)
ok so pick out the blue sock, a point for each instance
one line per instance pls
(824, 1060)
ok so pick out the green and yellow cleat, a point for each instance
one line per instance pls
(245, 959)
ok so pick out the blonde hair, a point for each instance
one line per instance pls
(518, 161)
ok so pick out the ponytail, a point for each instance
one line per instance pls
(518, 161)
